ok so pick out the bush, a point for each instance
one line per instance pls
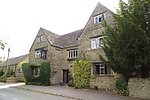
(10, 72)
(45, 73)
(2, 79)
(122, 87)
(42, 79)
(1, 73)
(81, 73)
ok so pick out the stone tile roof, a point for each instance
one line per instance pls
(68, 40)
(14, 61)
(49, 35)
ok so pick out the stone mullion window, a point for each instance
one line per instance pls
(72, 53)
(100, 69)
(97, 42)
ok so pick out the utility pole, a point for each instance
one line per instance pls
(6, 69)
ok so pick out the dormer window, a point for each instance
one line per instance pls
(39, 39)
(99, 18)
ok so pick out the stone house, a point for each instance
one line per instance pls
(15, 65)
(61, 50)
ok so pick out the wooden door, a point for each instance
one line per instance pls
(65, 76)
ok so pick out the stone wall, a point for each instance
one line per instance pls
(102, 82)
(139, 87)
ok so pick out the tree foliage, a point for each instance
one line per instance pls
(2, 44)
(128, 41)
(81, 73)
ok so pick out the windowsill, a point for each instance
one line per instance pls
(105, 75)
(70, 59)
(41, 58)
(96, 48)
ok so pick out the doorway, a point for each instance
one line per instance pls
(65, 76)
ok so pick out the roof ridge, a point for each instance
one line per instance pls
(49, 31)
(18, 56)
(71, 32)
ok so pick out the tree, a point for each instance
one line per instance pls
(2, 45)
(128, 40)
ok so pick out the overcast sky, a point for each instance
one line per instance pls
(20, 20)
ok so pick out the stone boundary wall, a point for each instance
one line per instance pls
(11, 80)
(103, 82)
(139, 87)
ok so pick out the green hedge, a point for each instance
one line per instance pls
(1, 73)
(42, 79)
(81, 73)
(121, 87)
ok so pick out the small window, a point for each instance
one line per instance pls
(39, 38)
(100, 69)
(99, 18)
(72, 53)
(19, 70)
(97, 42)
(40, 54)
(36, 71)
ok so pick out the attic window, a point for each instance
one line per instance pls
(99, 18)
(39, 38)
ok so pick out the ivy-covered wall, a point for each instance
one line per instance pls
(42, 79)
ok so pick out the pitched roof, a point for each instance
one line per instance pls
(68, 40)
(14, 61)
(49, 35)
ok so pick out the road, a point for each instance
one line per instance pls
(18, 94)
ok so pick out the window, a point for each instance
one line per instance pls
(97, 42)
(99, 18)
(39, 38)
(99, 69)
(40, 54)
(36, 71)
(72, 53)
(19, 70)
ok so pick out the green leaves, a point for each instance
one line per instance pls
(128, 41)
(42, 79)
(81, 73)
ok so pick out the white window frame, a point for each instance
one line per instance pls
(72, 53)
(40, 54)
(102, 16)
(39, 39)
(97, 42)
(102, 69)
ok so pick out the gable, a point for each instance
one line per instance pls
(47, 39)
(99, 9)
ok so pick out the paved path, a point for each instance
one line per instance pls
(85, 94)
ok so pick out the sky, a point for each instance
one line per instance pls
(20, 20)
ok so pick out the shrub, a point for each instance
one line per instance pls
(45, 73)
(81, 73)
(122, 87)
(1, 73)
(2, 79)
(42, 79)
(10, 72)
